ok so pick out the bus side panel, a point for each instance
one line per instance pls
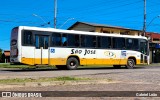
(101, 58)
(58, 56)
(108, 57)
(37, 57)
(27, 55)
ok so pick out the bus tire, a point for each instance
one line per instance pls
(72, 63)
(130, 64)
(117, 66)
(61, 67)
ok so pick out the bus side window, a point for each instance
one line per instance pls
(83, 41)
(27, 38)
(104, 42)
(56, 39)
(109, 42)
(77, 41)
(64, 40)
(136, 44)
(73, 40)
(118, 43)
(90, 41)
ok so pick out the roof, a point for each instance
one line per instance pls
(75, 32)
(7, 53)
(100, 25)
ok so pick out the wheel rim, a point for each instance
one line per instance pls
(130, 63)
(72, 64)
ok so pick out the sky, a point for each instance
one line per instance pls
(123, 13)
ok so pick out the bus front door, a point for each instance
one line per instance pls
(144, 51)
(41, 49)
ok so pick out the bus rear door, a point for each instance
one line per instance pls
(41, 49)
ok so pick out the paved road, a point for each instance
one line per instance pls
(139, 79)
(36, 73)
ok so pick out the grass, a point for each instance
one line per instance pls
(7, 65)
(18, 80)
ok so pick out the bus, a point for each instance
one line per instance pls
(68, 49)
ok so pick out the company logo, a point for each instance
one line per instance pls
(109, 54)
(52, 50)
(123, 53)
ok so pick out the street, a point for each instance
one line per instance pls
(138, 79)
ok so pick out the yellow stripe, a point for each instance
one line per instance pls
(29, 61)
(62, 61)
(57, 61)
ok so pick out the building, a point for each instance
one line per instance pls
(6, 56)
(154, 37)
(92, 27)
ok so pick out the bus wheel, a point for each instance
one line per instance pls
(117, 66)
(72, 63)
(130, 64)
(61, 67)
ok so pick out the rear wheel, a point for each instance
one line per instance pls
(72, 63)
(117, 66)
(130, 64)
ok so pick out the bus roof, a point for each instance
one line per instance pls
(78, 32)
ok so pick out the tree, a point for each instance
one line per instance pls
(0, 54)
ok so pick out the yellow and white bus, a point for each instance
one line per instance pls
(67, 49)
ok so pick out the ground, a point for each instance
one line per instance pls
(101, 79)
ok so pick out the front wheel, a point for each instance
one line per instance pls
(130, 64)
(72, 63)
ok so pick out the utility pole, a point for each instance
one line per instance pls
(55, 13)
(144, 24)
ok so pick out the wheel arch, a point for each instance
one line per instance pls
(75, 56)
(134, 58)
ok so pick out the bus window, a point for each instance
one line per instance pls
(129, 43)
(73, 40)
(64, 40)
(56, 39)
(27, 38)
(41, 41)
(104, 42)
(37, 42)
(77, 41)
(136, 45)
(132, 44)
(90, 41)
(46, 42)
(83, 41)
(118, 43)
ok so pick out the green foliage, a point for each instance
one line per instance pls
(0, 53)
